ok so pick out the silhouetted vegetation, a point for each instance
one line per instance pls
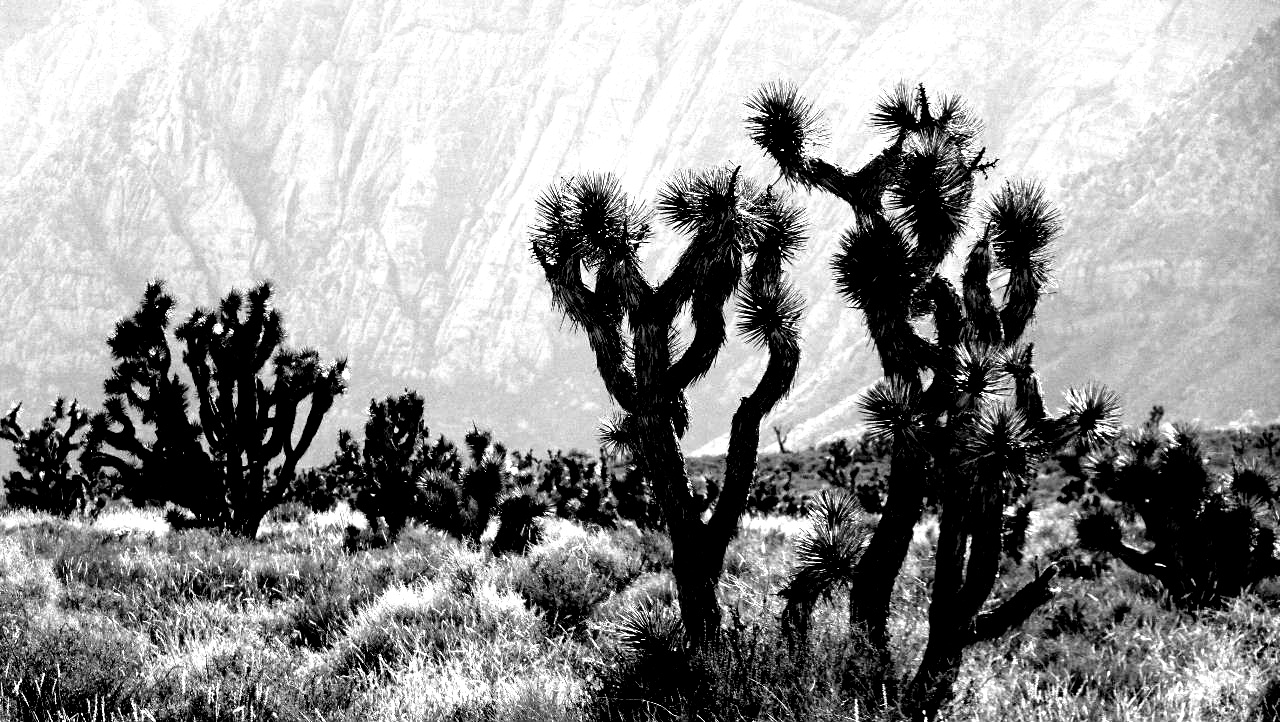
(962, 410)
(1208, 536)
(740, 240)
(220, 466)
(51, 479)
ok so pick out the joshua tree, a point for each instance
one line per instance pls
(52, 482)
(963, 409)
(245, 420)
(781, 435)
(1212, 535)
(740, 238)
(397, 452)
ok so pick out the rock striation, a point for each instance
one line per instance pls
(379, 160)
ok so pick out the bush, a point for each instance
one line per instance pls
(27, 586)
(567, 577)
(428, 618)
(746, 673)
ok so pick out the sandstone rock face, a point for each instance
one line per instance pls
(380, 160)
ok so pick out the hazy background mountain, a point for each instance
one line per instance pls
(380, 161)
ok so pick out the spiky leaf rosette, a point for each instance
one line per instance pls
(828, 550)
(617, 434)
(780, 236)
(877, 273)
(892, 411)
(785, 126)
(896, 111)
(649, 630)
(979, 376)
(999, 441)
(931, 193)
(1098, 530)
(1252, 480)
(1092, 417)
(769, 317)
(1022, 226)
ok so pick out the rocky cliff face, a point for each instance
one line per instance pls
(1169, 283)
(379, 159)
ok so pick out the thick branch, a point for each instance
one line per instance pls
(744, 437)
(1016, 609)
(604, 334)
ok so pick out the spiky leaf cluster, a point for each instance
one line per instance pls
(383, 473)
(740, 237)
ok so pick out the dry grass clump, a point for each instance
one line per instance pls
(122, 619)
(27, 586)
(573, 571)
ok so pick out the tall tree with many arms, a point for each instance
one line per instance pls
(586, 240)
(963, 409)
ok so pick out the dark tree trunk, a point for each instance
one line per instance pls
(877, 571)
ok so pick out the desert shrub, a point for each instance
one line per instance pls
(462, 499)
(430, 618)
(650, 548)
(635, 498)
(56, 662)
(1212, 535)
(233, 678)
(319, 489)
(773, 493)
(1267, 706)
(568, 576)
(27, 585)
(385, 476)
(575, 485)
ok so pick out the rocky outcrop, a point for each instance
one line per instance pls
(379, 159)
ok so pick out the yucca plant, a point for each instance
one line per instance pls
(221, 465)
(962, 409)
(50, 479)
(587, 240)
(397, 452)
(1210, 535)
(461, 499)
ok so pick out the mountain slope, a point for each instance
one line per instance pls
(1169, 289)
(380, 159)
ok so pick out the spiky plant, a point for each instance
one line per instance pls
(222, 465)
(827, 553)
(519, 522)
(52, 480)
(1211, 536)
(962, 408)
(587, 240)
(397, 452)
(461, 499)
